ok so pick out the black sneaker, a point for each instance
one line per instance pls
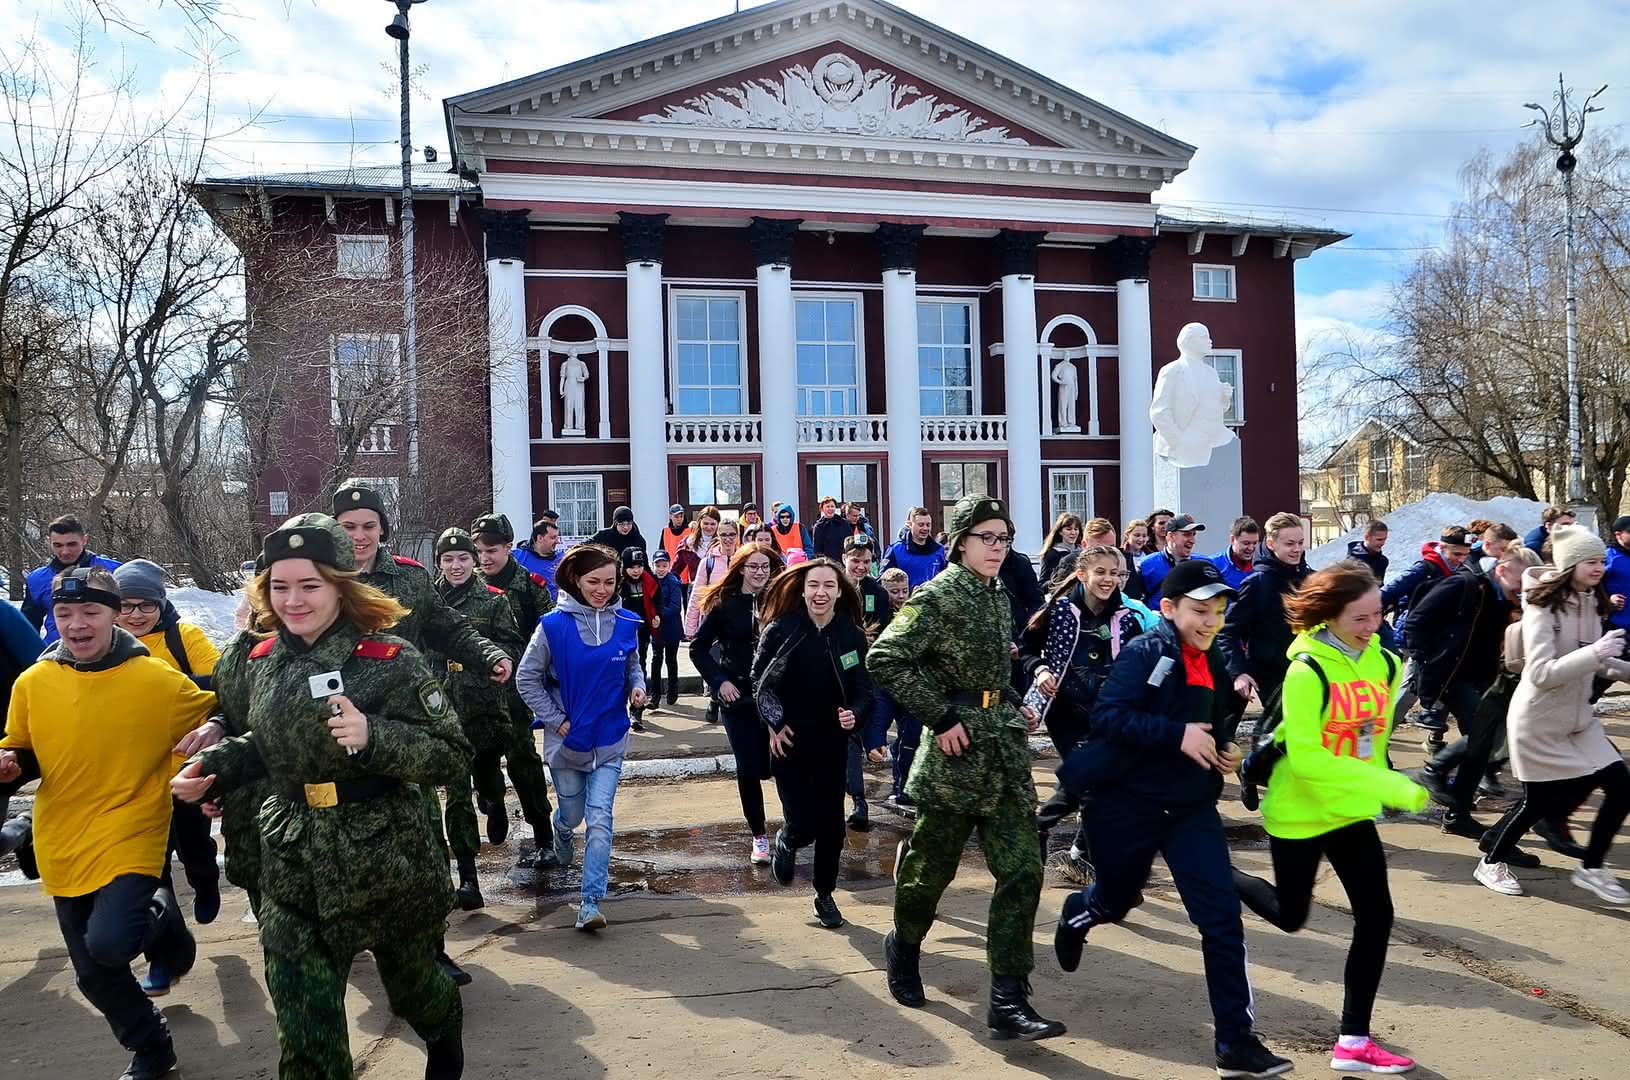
(1433, 720)
(497, 824)
(206, 902)
(1249, 1060)
(1515, 857)
(860, 820)
(459, 976)
(151, 1064)
(783, 861)
(1436, 784)
(1070, 935)
(1456, 823)
(1556, 834)
(826, 911)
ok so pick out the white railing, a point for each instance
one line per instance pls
(843, 430)
(715, 431)
(963, 430)
(376, 441)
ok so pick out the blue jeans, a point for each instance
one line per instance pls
(587, 797)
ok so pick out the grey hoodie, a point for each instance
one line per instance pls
(540, 688)
(125, 647)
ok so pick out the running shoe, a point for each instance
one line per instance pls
(156, 983)
(1250, 1060)
(1368, 1058)
(1497, 876)
(1517, 857)
(589, 917)
(1559, 838)
(1602, 883)
(784, 862)
(827, 913)
(761, 851)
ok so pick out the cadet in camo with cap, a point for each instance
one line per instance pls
(347, 723)
(483, 705)
(945, 658)
(529, 600)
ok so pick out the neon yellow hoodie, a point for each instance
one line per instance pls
(1334, 771)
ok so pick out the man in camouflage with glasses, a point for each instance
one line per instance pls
(945, 658)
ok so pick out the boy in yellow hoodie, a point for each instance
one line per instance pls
(1329, 782)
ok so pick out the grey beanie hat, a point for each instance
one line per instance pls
(140, 579)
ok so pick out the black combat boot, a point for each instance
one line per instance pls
(459, 976)
(904, 981)
(468, 893)
(497, 822)
(1010, 1015)
(444, 1058)
(152, 1063)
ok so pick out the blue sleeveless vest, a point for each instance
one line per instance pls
(591, 678)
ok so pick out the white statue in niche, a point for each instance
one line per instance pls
(1189, 403)
(574, 378)
(1069, 389)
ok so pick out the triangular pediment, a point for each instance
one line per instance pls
(861, 68)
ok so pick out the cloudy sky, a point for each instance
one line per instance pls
(1355, 116)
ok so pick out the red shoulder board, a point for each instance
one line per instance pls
(377, 650)
(495, 589)
(262, 649)
(538, 579)
(403, 560)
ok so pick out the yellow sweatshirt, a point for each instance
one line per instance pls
(103, 741)
(201, 652)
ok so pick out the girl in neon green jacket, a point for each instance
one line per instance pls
(1333, 781)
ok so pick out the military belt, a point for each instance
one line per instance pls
(318, 796)
(454, 667)
(975, 699)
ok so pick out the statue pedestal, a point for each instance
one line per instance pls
(1211, 494)
(571, 431)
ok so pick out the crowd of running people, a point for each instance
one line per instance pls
(351, 737)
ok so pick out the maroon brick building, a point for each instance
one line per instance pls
(810, 249)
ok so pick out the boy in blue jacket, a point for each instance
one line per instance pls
(916, 553)
(670, 603)
(1149, 779)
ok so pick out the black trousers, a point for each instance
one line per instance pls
(750, 743)
(1547, 800)
(1483, 728)
(1066, 736)
(811, 786)
(664, 652)
(191, 842)
(106, 930)
(1356, 855)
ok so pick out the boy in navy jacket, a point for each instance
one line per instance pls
(670, 605)
(1149, 779)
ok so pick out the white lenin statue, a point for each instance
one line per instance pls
(1069, 388)
(1189, 404)
(574, 376)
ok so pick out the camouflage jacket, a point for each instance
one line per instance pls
(529, 600)
(951, 638)
(430, 625)
(359, 872)
(483, 705)
(241, 808)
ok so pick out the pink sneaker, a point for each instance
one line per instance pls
(1369, 1058)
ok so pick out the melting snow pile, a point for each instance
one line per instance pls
(1415, 523)
(211, 612)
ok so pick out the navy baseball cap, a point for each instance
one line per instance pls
(1197, 579)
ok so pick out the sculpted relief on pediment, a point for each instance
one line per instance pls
(839, 94)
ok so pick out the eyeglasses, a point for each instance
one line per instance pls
(146, 607)
(990, 539)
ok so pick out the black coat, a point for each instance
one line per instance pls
(1375, 560)
(803, 674)
(618, 542)
(1024, 595)
(725, 642)
(875, 603)
(1458, 630)
(1256, 635)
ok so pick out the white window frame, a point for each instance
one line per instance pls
(674, 296)
(873, 480)
(1215, 268)
(859, 300)
(1238, 385)
(716, 464)
(334, 340)
(974, 329)
(599, 482)
(375, 240)
(1053, 475)
(273, 498)
(1349, 472)
(1417, 472)
(1380, 451)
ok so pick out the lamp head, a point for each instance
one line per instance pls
(398, 28)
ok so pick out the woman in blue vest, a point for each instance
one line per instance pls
(579, 676)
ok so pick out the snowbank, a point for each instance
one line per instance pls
(211, 612)
(1415, 523)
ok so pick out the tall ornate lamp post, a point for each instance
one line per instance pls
(398, 29)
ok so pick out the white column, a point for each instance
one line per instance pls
(778, 383)
(647, 415)
(511, 447)
(905, 441)
(1137, 384)
(1020, 370)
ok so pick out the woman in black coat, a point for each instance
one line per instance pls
(722, 651)
(810, 681)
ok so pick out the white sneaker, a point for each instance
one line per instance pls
(761, 851)
(1602, 883)
(1498, 876)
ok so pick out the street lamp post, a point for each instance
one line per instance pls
(399, 30)
(1572, 131)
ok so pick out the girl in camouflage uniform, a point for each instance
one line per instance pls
(348, 861)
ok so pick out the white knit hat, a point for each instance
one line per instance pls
(1573, 544)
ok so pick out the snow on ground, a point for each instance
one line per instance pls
(212, 612)
(1415, 523)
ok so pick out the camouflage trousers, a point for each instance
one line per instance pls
(463, 833)
(525, 766)
(308, 995)
(1012, 852)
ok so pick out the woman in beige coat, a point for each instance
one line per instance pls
(1558, 748)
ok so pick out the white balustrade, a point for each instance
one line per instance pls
(376, 441)
(740, 431)
(843, 430)
(964, 430)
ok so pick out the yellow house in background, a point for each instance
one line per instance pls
(1366, 475)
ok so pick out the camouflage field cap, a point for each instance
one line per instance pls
(969, 511)
(494, 525)
(317, 537)
(454, 539)
(355, 496)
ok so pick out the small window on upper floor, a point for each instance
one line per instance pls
(363, 256)
(1213, 282)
